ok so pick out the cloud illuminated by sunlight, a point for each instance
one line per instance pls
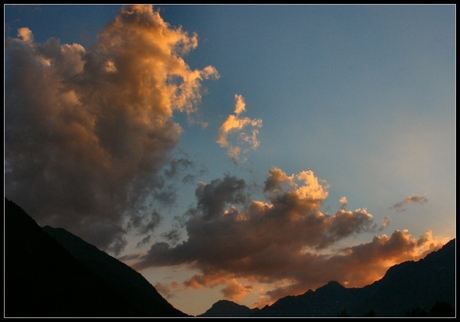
(235, 290)
(343, 202)
(235, 124)
(88, 130)
(280, 241)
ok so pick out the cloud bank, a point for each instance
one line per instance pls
(88, 130)
(281, 241)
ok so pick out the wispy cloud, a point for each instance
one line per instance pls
(236, 124)
(88, 130)
(399, 206)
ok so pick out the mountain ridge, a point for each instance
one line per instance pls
(404, 287)
(50, 272)
(43, 279)
(228, 309)
(122, 278)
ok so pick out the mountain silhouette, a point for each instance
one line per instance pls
(122, 278)
(413, 284)
(228, 309)
(50, 272)
(422, 286)
(44, 279)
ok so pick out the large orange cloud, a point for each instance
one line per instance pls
(88, 130)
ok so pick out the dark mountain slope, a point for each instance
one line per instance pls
(122, 278)
(327, 300)
(413, 284)
(404, 287)
(43, 280)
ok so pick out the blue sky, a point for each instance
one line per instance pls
(363, 96)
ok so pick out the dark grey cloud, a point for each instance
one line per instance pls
(145, 223)
(173, 236)
(399, 206)
(144, 241)
(213, 197)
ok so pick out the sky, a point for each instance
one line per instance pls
(238, 152)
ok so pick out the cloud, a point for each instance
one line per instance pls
(144, 241)
(355, 266)
(385, 222)
(235, 290)
(26, 35)
(291, 219)
(278, 241)
(145, 223)
(240, 106)
(173, 236)
(236, 124)
(213, 197)
(87, 131)
(399, 206)
(343, 202)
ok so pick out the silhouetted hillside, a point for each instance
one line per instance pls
(225, 308)
(46, 279)
(404, 287)
(122, 278)
(327, 300)
(423, 287)
(413, 284)
(42, 279)
(439, 309)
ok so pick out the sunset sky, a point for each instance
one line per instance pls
(239, 152)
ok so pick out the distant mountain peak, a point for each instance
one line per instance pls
(226, 303)
(228, 308)
(332, 285)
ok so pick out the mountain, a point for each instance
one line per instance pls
(327, 300)
(228, 309)
(413, 284)
(122, 278)
(43, 279)
(423, 285)
(51, 273)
